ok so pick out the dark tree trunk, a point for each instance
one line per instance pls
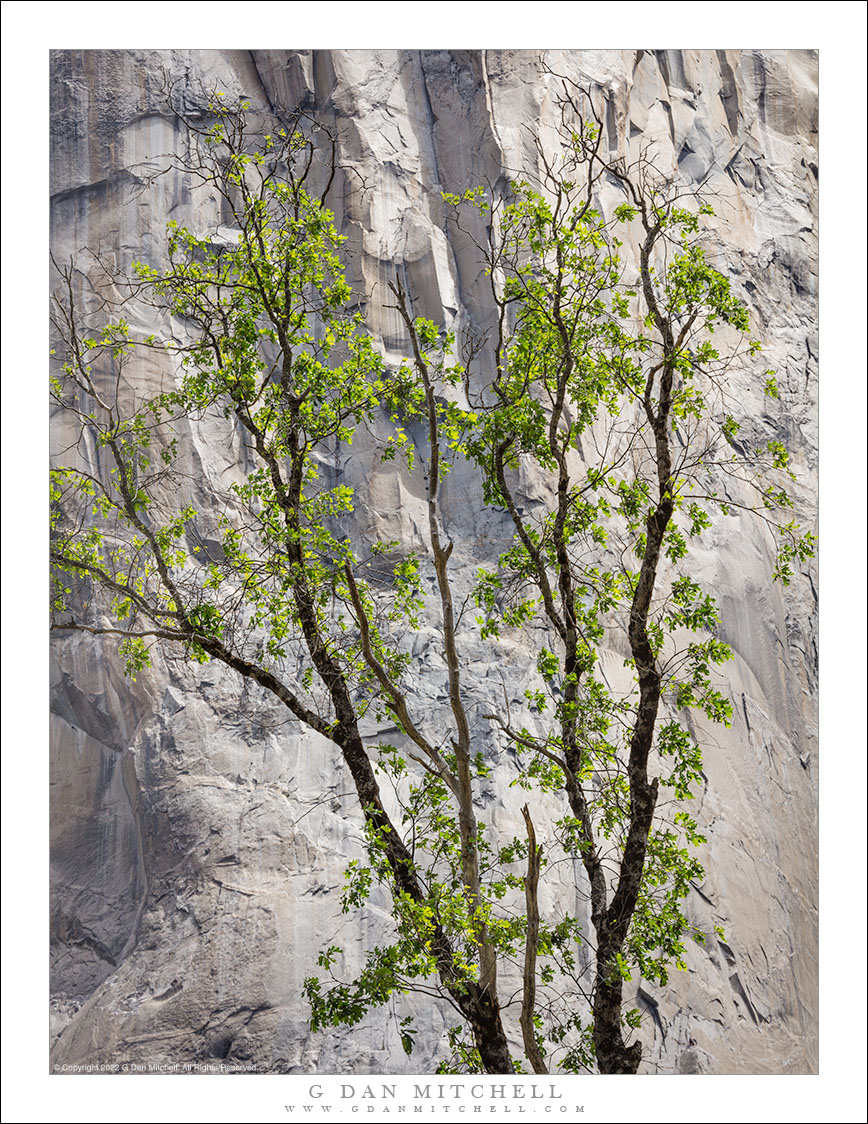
(483, 1014)
(612, 1055)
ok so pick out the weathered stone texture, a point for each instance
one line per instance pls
(199, 838)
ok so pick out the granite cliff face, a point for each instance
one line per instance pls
(199, 838)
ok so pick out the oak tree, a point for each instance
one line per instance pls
(609, 404)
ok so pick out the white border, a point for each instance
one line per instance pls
(30, 30)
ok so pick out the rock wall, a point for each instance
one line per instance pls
(199, 838)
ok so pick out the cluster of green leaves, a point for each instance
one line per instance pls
(267, 338)
(430, 820)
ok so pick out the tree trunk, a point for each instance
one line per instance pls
(488, 1033)
(612, 1055)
